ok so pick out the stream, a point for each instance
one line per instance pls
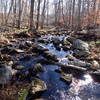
(79, 89)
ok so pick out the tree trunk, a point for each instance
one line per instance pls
(43, 15)
(79, 13)
(38, 14)
(31, 15)
(19, 14)
(73, 10)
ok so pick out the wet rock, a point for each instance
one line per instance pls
(65, 41)
(26, 57)
(58, 47)
(58, 70)
(72, 69)
(23, 46)
(5, 57)
(37, 88)
(23, 34)
(81, 47)
(70, 57)
(81, 53)
(95, 64)
(43, 61)
(5, 74)
(66, 77)
(5, 50)
(66, 47)
(83, 32)
(38, 48)
(36, 69)
(80, 63)
(95, 75)
(43, 40)
(18, 67)
(49, 55)
(56, 41)
(9, 50)
(28, 43)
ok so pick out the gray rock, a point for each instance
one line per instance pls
(5, 74)
(95, 64)
(19, 67)
(80, 63)
(38, 67)
(37, 86)
(81, 48)
(66, 77)
(70, 57)
(56, 41)
(49, 55)
(78, 44)
(81, 53)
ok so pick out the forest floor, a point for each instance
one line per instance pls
(92, 37)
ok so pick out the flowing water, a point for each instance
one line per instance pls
(79, 89)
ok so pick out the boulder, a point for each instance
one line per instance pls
(18, 67)
(81, 53)
(23, 34)
(38, 48)
(95, 64)
(66, 77)
(33, 71)
(37, 87)
(5, 74)
(38, 68)
(80, 63)
(49, 55)
(43, 40)
(78, 44)
(11, 50)
(56, 41)
(70, 57)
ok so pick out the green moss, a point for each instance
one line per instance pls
(23, 94)
(94, 43)
(98, 42)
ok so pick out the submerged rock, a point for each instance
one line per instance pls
(5, 74)
(36, 69)
(56, 41)
(38, 48)
(66, 77)
(19, 67)
(49, 55)
(70, 57)
(37, 88)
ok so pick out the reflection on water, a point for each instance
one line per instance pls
(80, 89)
(77, 85)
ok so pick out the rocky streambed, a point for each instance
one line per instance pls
(50, 67)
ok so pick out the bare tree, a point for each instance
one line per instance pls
(43, 14)
(79, 14)
(19, 13)
(38, 14)
(31, 15)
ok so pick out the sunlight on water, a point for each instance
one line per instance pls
(78, 85)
